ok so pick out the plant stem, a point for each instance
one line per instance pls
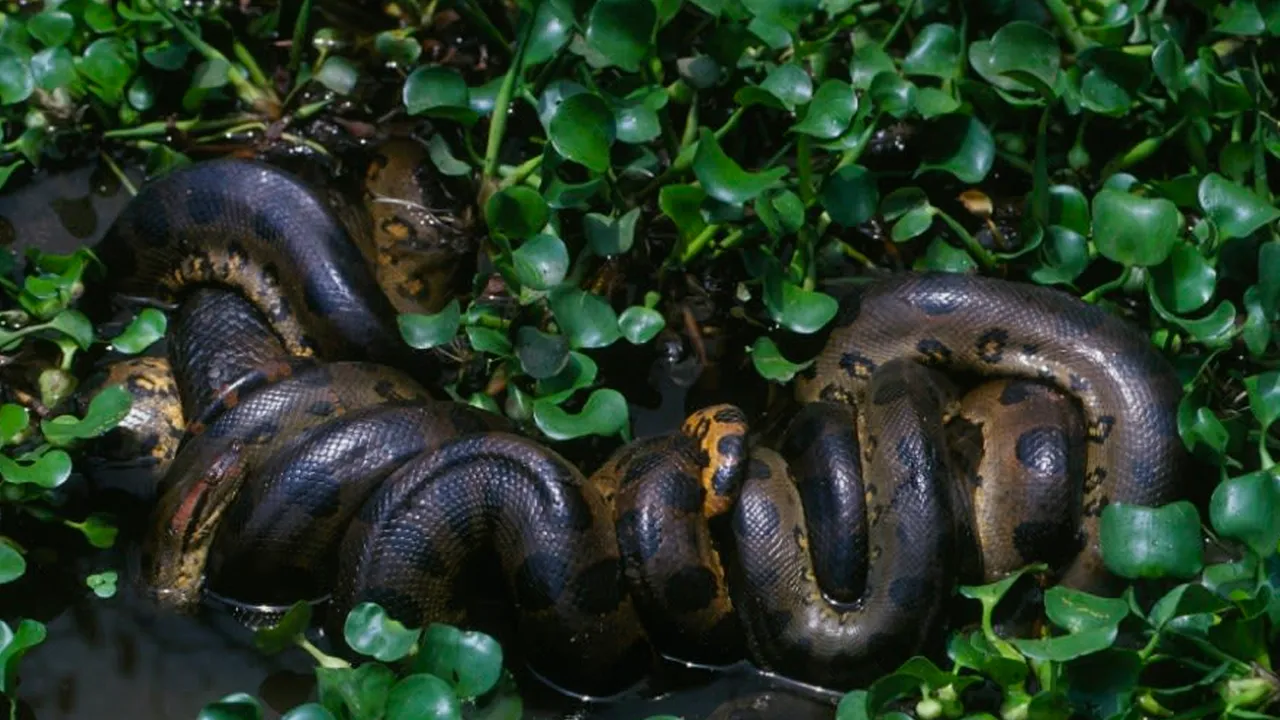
(1066, 21)
(324, 660)
(160, 128)
(248, 93)
(498, 126)
(898, 23)
(1140, 151)
(519, 173)
(246, 58)
(119, 173)
(975, 248)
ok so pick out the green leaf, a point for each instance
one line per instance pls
(851, 196)
(587, 320)
(103, 584)
(788, 14)
(932, 102)
(583, 130)
(107, 408)
(1185, 280)
(1023, 52)
(442, 157)
(965, 148)
(76, 325)
(470, 661)
(830, 111)
(605, 413)
(725, 180)
(942, 256)
(912, 225)
(540, 263)
(611, 236)
(13, 645)
(552, 28)
(620, 31)
(51, 27)
(16, 80)
(683, 204)
(1063, 256)
(338, 74)
(14, 421)
(799, 310)
(363, 690)
(1244, 508)
(370, 631)
(145, 329)
(395, 46)
(1234, 210)
(12, 564)
(1133, 230)
(769, 362)
(437, 91)
(578, 373)
(98, 530)
(789, 85)
(1201, 430)
(1169, 65)
(1069, 208)
(1264, 397)
(108, 63)
(1067, 647)
(936, 52)
(1145, 542)
(542, 355)
(1076, 611)
(309, 711)
(284, 633)
(640, 324)
(423, 697)
(423, 331)
(49, 471)
(236, 706)
(489, 340)
(637, 120)
(517, 212)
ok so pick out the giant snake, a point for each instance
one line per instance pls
(305, 455)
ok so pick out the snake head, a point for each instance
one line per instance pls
(186, 519)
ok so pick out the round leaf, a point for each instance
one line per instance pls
(1235, 210)
(542, 355)
(611, 236)
(830, 111)
(541, 262)
(587, 320)
(725, 180)
(422, 331)
(12, 564)
(1133, 230)
(436, 90)
(1145, 542)
(790, 84)
(965, 148)
(936, 52)
(309, 711)
(517, 212)
(851, 195)
(769, 362)
(893, 94)
(470, 661)
(620, 30)
(103, 584)
(605, 413)
(640, 324)
(370, 631)
(422, 697)
(552, 28)
(145, 329)
(51, 27)
(1185, 280)
(1244, 508)
(16, 80)
(583, 129)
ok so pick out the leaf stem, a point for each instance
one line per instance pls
(498, 125)
(898, 23)
(299, 37)
(1066, 21)
(250, 94)
(984, 257)
(327, 661)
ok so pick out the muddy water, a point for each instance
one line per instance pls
(117, 658)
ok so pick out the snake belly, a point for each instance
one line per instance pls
(311, 459)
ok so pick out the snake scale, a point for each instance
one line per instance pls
(303, 454)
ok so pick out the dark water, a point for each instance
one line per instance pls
(117, 658)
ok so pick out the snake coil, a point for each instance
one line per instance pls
(301, 455)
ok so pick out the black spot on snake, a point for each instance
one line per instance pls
(758, 469)
(938, 294)
(934, 351)
(856, 365)
(321, 408)
(599, 588)
(540, 580)
(690, 588)
(681, 491)
(1100, 429)
(729, 415)
(991, 345)
(1043, 450)
(573, 511)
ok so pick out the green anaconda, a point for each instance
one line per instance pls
(312, 458)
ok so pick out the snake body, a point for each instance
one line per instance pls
(302, 455)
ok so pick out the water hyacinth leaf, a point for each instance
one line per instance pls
(370, 631)
(1063, 256)
(395, 46)
(12, 564)
(770, 363)
(1076, 611)
(788, 14)
(107, 408)
(542, 355)
(1069, 208)
(637, 122)
(1185, 280)
(75, 325)
(1201, 430)
(932, 102)
(583, 130)
(964, 147)
(236, 706)
(1256, 331)
(611, 236)
(851, 195)
(942, 256)
(540, 263)
(701, 72)
(578, 373)
(585, 318)
(470, 661)
(1234, 209)
(552, 28)
(640, 324)
(802, 311)
(936, 52)
(893, 94)
(912, 225)
(309, 711)
(1243, 508)
(16, 80)
(620, 30)
(1264, 397)
(488, 340)
(605, 413)
(1186, 600)
(14, 643)
(830, 111)
(98, 529)
(782, 212)
(1241, 17)
(683, 204)
(423, 331)
(1027, 53)
(14, 421)
(51, 27)
(1063, 648)
(361, 691)
(1152, 542)
(108, 63)
(1133, 230)
(1105, 681)
(281, 635)
(725, 180)
(442, 157)
(1169, 65)
(790, 85)
(144, 330)
(517, 212)
(338, 74)
(438, 92)
(422, 696)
